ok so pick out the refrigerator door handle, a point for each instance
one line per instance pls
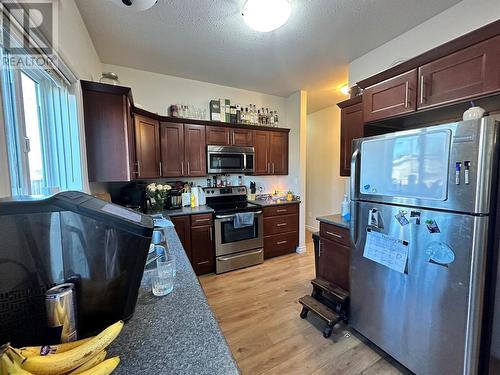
(356, 156)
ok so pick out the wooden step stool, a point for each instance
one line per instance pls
(327, 301)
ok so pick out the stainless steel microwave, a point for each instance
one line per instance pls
(230, 159)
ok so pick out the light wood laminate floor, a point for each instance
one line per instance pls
(258, 312)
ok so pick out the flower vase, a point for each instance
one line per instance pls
(158, 205)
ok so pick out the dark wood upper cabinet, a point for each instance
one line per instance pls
(202, 249)
(219, 135)
(351, 127)
(108, 132)
(469, 73)
(195, 154)
(172, 149)
(393, 97)
(261, 145)
(147, 147)
(278, 153)
(271, 152)
(241, 137)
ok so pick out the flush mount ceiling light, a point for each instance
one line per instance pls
(344, 89)
(266, 15)
(137, 5)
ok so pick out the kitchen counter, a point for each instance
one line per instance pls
(270, 203)
(175, 334)
(337, 220)
(188, 211)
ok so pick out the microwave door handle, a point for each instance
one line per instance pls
(244, 162)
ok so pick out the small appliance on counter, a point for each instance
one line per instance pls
(133, 196)
(174, 200)
(71, 237)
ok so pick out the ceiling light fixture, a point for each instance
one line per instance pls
(137, 5)
(344, 89)
(266, 15)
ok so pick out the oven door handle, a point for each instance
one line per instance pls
(232, 216)
(240, 255)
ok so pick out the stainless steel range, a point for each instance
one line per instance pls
(236, 246)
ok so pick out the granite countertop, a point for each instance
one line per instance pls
(337, 220)
(188, 211)
(270, 203)
(175, 334)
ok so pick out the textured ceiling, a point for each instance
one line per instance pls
(207, 40)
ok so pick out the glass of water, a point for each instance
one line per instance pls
(163, 279)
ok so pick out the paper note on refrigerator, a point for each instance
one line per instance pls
(388, 251)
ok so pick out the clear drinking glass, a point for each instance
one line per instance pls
(163, 279)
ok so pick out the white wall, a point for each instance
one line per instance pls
(460, 19)
(77, 50)
(325, 187)
(75, 46)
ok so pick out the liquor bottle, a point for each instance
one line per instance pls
(242, 116)
(238, 114)
(271, 118)
(276, 119)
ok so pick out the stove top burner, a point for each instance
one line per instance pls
(231, 207)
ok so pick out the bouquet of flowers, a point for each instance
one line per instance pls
(158, 193)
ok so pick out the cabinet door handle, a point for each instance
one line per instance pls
(182, 168)
(189, 172)
(422, 87)
(211, 235)
(319, 250)
(407, 94)
(283, 210)
(273, 168)
(334, 234)
(233, 139)
(281, 242)
(281, 225)
(161, 169)
(228, 139)
(138, 167)
(202, 220)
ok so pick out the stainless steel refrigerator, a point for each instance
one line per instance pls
(421, 205)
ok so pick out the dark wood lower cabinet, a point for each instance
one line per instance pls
(202, 249)
(197, 238)
(334, 256)
(281, 230)
(183, 228)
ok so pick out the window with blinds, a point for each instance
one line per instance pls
(41, 123)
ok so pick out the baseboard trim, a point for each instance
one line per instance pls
(301, 249)
(310, 228)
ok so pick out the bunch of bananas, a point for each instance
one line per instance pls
(83, 357)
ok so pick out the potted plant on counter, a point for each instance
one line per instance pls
(158, 193)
